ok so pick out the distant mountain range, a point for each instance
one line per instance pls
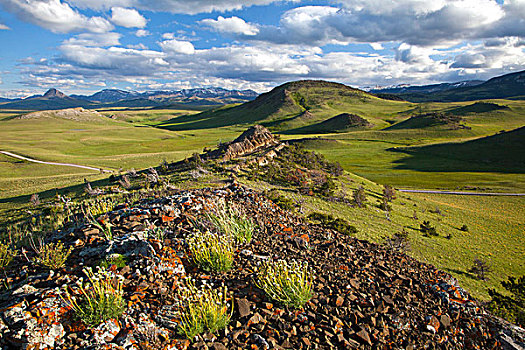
(506, 86)
(54, 99)
(425, 89)
(113, 95)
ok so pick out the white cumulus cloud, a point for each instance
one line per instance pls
(129, 18)
(142, 33)
(56, 16)
(177, 46)
(234, 25)
(4, 27)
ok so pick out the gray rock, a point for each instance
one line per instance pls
(243, 307)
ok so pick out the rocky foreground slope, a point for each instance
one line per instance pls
(365, 296)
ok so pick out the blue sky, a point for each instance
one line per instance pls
(82, 46)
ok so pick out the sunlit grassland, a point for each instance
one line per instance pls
(496, 234)
(107, 143)
(148, 116)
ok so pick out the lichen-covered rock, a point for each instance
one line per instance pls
(106, 331)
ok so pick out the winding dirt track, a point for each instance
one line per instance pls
(462, 193)
(53, 163)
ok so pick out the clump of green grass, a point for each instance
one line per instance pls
(231, 221)
(118, 260)
(203, 309)
(99, 206)
(287, 283)
(212, 251)
(7, 254)
(101, 297)
(53, 255)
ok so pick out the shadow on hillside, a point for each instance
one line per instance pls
(459, 272)
(76, 189)
(500, 153)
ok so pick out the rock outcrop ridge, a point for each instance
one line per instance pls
(253, 139)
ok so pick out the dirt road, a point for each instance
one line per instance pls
(53, 163)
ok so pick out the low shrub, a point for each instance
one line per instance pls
(212, 251)
(399, 241)
(286, 283)
(428, 229)
(389, 193)
(359, 197)
(281, 201)
(328, 221)
(53, 255)
(101, 297)
(481, 269)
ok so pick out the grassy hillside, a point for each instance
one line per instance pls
(495, 224)
(295, 105)
(429, 120)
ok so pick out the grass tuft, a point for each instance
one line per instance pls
(212, 251)
(7, 254)
(101, 297)
(203, 309)
(231, 221)
(287, 283)
(98, 207)
(53, 255)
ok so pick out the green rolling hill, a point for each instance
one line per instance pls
(296, 105)
(343, 122)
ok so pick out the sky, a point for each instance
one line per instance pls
(83, 46)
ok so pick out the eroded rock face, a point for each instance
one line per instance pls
(255, 138)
